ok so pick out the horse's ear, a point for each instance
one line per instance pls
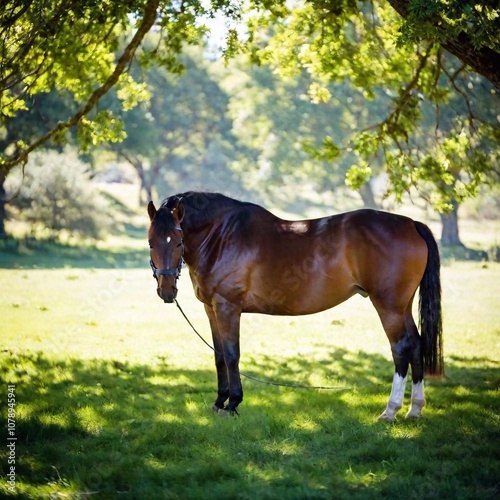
(179, 210)
(151, 211)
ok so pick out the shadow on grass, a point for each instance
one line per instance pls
(462, 253)
(106, 429)
(42, 254)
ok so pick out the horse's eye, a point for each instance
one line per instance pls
(169, 239)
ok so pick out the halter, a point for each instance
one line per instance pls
(175, 271)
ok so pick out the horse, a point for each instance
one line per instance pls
(243, 259)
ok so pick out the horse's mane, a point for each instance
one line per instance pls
(163, 223)
(202, 207)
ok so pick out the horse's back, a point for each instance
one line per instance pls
(383, 235)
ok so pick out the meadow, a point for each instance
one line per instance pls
(113, 392)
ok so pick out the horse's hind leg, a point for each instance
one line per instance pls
(417, 371)
(406, 348)
(400, 354)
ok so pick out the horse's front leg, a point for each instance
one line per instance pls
(228, 324)
(220, 362)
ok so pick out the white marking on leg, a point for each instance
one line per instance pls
(395, 399)
(417, 400)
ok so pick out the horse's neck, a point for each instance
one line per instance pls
(196, 224)
(198, 231)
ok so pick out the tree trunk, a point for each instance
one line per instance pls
(3, 199)
(366, 193)
(145, 188)
(145, 194)
(450, 236)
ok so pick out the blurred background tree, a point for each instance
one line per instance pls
(182, 132)
(54, 195)
(81, 49)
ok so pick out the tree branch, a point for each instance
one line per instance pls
(146, 24)
(401, 101)
(482, 60)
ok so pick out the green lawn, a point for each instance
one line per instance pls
(113, 394)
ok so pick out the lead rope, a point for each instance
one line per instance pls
(255, 379)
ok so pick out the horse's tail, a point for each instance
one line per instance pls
(431, 327)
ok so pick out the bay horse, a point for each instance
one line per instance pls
(243, 259)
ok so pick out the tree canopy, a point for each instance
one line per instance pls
(70, 46)
(432, 65)
(402, 63)
(181, 130)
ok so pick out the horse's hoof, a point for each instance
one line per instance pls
(413, 416)
(386, 418)
(415, 410)
(216, 408)
(226, 412)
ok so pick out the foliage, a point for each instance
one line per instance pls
(361, 44)
(273, 119)
(386, 56)
(466, 28)
(69, 46)
(38, 58)
(82, 49)
(298, 131)
(479, 21)
(54, 192)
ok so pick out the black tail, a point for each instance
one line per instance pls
(431, 328)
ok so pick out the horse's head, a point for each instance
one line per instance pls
(166, 247)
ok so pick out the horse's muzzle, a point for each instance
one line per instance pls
(168, 297)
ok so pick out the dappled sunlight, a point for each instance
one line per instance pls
(256, 471)
(461, 392)
(402, 431)
(360, 479)
(48, 420)
(304, 422)
(158, 418)
(91, 421)
(283, 448)
(168, 417)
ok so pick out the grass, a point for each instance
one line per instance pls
(113, 394)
